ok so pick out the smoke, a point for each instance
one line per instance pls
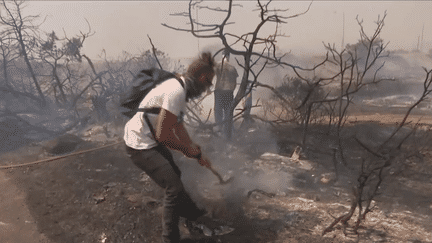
(236, 159)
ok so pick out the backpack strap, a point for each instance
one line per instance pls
(181, 82)
(152, 130)
(154, 110)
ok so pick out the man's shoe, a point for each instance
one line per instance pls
(206, 226)
(197, 229)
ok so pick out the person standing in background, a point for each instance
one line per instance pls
(226, 82)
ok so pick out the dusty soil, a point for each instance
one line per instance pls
(101, 196)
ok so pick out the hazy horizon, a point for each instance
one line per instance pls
(123, 26)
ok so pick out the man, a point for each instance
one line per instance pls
(148, 143)
(226, 81)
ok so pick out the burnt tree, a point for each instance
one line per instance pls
(254, 50)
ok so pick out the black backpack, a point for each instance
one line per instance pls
(145, 81)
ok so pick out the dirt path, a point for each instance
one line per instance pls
(16, 223)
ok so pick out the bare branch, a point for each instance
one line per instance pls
(427, 89)
(154, 52)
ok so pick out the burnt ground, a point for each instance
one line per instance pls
(101, 196)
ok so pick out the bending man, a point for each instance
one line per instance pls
(148, 144)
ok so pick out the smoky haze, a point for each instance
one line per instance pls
(403, 71)
(124, 26)
(405, 79)
(82, 76)
(233, 160)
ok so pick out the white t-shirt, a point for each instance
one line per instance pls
(226, 76)
(169, 95)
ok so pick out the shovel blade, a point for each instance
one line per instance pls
(221, 180)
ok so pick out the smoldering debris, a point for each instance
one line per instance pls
(257, 171)
(63, 144)
(270, 195)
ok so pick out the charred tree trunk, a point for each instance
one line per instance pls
(30, 68)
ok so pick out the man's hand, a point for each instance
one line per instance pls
(172, 134)
(209, 91)
(194, 151)
(204, 161)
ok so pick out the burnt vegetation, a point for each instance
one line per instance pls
(313, 101)
(49, 87)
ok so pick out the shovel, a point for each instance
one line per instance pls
(221, 180)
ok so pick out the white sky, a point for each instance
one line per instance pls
(124, 25)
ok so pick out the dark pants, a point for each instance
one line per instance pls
(222, 110)
(158, 164)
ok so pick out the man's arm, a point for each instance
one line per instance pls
(173, 135)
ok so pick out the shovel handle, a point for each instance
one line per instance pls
(216, 174)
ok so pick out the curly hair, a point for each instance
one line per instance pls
(204, 64)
